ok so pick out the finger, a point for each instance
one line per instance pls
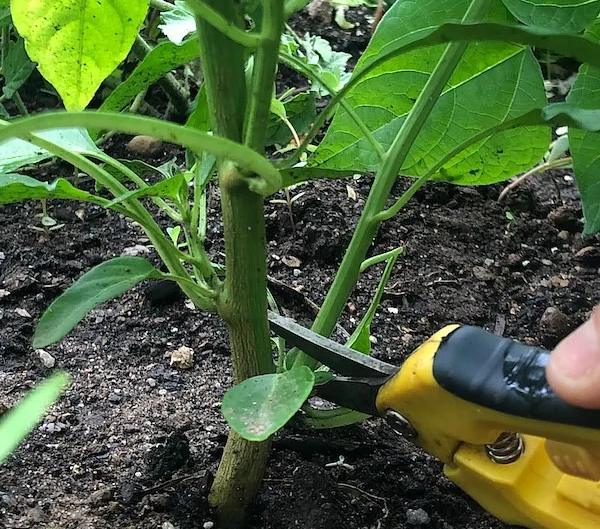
(574, 368)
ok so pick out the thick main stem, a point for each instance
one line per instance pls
(243, 303)
(368, 224)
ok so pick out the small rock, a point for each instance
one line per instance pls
(4, 294)
(559, 282)
(546, 262)
(565, 218)
(46, 359)
(513, 260)
(144, 145)
(101, 496)
(483, 274)
(135, 251)
(167, 525)
(151, 382)
(182, 358)
(555, 325)
(23, 313)
(488, 262)
(114, 398)
(417, 517)
(321, 11)
(588, 256)
(162, 392)
(564, 235)
(18, 280)
(208, 525)
(291, 262)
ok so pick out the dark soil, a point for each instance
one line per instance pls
(135, 441)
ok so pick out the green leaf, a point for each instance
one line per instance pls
(16, 153)
(384, 96)
(78, 43)
(18, 422)
(585, 148)
(104, 282)
(301, 111)
(16, 188)
(360, 339)
(570, 16)
(165, 188)
(160, 61)
(178, 23)
(17, 67)
(260, 406)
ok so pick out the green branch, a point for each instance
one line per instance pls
(367, 226)
(263, 76)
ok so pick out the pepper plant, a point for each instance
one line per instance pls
(447, 90)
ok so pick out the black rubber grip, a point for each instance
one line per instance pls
(504, 375)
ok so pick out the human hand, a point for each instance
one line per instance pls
(574, 368)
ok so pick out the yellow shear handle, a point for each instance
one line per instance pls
(462, 389)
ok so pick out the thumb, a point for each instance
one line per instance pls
(573, 371)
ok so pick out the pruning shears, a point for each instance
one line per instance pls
(481, 404)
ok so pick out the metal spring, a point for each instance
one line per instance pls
(507, 449)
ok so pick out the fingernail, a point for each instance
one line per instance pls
(578, 356)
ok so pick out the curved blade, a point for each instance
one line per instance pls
(339, 358)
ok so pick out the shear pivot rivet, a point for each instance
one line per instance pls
(400, 424)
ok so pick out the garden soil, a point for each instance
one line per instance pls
(135, 441)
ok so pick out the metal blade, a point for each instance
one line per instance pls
(339, 358)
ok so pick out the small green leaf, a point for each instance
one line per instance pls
(570, 16)
(160, 61)
(15, 426)
(76, 43)
(260, 406)
(16, 188)
(361, 337)
(165, 188)
(104, 282)
(17, 67)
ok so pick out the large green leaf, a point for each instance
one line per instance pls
(561, 15)
(15, 426)
(160, 61)
(78, 43)
(260, 406)
(585, 148)
(16, 188)
(104, 282)
(16, 153)
(386, 94)
(17, 67)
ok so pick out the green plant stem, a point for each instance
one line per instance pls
(263, 76)
(367, 226)
(210, 15)
(20, 104)
(243, 303)
(178, 95)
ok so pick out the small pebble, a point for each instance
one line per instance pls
(488, 262)
(546, 262)
(144, 145)
(483, 274)
(151, 382)
(162, 392)
(564, 235)
(101, 496)
(417, 517)
(565, 218)
(167, 525)
(46, 359)
(135, 251)
(208, 525)
(555, 325)
(182, 358)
